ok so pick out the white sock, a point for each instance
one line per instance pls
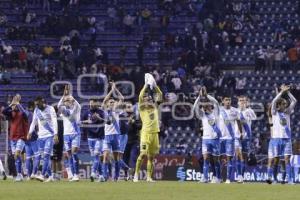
(69, 172)
(1, 167)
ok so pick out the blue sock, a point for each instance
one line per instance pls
(71, 164)
(275, 172)
(36, 163)
(205, 169)
(100, 167)
(270, 173)
(117, 170)
(45, 164)
(28, 164)
(109, 169)
(49, 170)
(238, 167)
(95, 166)
(243, 166)
(229, 169)
(218, 169)
(288, 169)
(105, 170)
(18, 163)
(76, 163)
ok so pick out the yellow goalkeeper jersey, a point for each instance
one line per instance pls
(149, 113)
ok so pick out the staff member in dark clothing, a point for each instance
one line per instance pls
(125, 118)
(132, 148)
(93, 122)
(57, 154)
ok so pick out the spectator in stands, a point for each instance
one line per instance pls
(48, 50)
(112, 14)
(46, 5)
(75, 41)
(269, 57)
(140, 53)
(176, 83)
(146, 14)
(128, 22)
(240, 85)
(23, 58)
(3, 19)
(123, 52)
(278, 57)
(293, 57)
(5, 76)
(260, 59)
(30, 17)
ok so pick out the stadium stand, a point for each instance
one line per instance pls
(228, 46)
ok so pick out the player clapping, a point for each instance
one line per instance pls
(70, 111)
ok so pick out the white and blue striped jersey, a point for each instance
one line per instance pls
(46, 120)
(228, 119)
(245, 116)
(112, 125)
(210, 121)
(281, 120)
(70, 117)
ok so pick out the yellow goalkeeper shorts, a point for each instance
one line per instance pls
(149, 143)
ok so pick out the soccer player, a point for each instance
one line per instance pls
(209, 114)
(125, 118)
(94, 119)
(243, 138)
(228, 118)
(70, 112)
(149, 142)
(18, 117)
(112, 131)
(44, 117)
(280, 144)
(31, 146)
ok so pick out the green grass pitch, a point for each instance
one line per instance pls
(165, 190)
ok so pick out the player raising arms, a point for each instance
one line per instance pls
(94, 121)
(243, 138)
(280, 143)
(44, 117)
(209, 114)
(112, 131)
(148, 109)
(18, 117)
(70, 112)
(228, 118)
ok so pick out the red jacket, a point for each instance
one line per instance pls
(18, 124)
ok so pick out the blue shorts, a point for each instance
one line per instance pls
(279, 147)
(243, 145)
(71, 141)
(111, 143)
(46, 145)
(31, 149)
(123, 142)
(95, 146)
(211, 146)
(227, 147)
(17, 145)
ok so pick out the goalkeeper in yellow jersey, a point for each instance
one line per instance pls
(149, 98)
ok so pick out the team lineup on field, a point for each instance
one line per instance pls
(226, 135)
